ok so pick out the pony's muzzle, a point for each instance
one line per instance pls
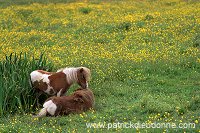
(84, 86)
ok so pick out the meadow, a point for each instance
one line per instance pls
(144, 57)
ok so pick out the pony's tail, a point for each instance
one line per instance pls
(42, 113)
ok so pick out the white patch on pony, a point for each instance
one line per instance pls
(36, 76)
(46, 79)
(59, 93)
(71, 74)
(50, 107)
(49, 89)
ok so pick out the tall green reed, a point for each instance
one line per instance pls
(16, 94)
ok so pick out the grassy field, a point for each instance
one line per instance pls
(144, 57)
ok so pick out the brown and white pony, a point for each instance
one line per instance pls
(81, 100)
(57, 83)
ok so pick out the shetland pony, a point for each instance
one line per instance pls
(81, 100)
(57, 83)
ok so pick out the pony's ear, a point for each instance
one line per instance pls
(81, 70)
(78, 98)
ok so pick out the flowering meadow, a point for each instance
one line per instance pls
(144, 56)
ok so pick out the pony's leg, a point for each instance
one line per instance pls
(64, 92)
(60, 93)
(37, 97)
(58, 110)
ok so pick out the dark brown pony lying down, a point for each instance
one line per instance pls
(81, 100)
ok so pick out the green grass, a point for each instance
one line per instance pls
(166, 90)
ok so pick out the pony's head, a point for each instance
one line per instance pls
(83, 77)
(85, 96)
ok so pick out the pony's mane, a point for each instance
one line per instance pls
(61, 69)
(71, 73)
(86, 71)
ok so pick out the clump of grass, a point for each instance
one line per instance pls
(16, 95)
(148, 17)
(85, 10)
(195, 103)
(25, 13)
(140, 24)
(125, 26)
(196, 41)
(154, 104)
